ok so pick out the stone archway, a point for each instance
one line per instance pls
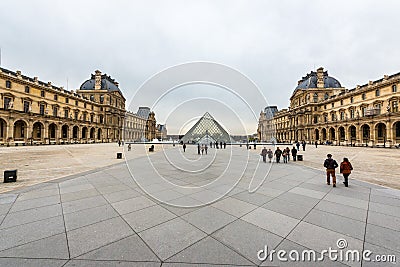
(323, 134)
(84, 132)
(396, 132)
(316, 134)
(332, 134)
(52, 131)
(20, 130)
(342, 134)
(92, 133)
(353, 133)
(64, 131)
(380, 132)
(365, 133)
(3, 130)
(37, 131)
(99, 134)
(75, 132)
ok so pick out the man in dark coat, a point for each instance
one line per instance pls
(198, 149)
(184, 147)
(294, 153)
(330, 164)
(278, 154)
(264, 154)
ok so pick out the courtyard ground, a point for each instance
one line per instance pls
(181, 209)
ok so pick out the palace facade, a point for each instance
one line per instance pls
(35, 112)
(322, 110)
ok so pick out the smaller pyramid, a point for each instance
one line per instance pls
(206, 130)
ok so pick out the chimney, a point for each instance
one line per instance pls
(320, 77)
(97, 80)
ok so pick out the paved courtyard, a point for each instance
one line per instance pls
(180, 209)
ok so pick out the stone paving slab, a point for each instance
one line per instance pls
(103, 218)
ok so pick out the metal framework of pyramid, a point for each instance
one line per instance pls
(206, 130)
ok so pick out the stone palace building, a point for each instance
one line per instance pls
(35, 112)
(322, 110)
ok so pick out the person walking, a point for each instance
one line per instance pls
(316, 144)
(129, 147)
(184, 147)
(263, 154)
(224, 145)
(345, 169)
(205, 148)
(220, 144)
(288, 153)
(304, 145)
(198, 149)
(298, 145)
(270, 155)
(210, 144)
(285, 156)
(202, 149)
(278, 154)
(119, 142)
(330, 164)
(294, 153)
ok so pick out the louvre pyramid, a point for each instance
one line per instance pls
(206, 130)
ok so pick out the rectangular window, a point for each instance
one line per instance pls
(101, 119)
(363, 111)
(42, 93)
(84, 105)
(91, 118)
(352, 113)
(91, 97)
(84, 116)
(378, 109)
(101, 99)
(7, 101)
(352, 99)
(27, 89)
(55, 111)
(67, 100)
(76, 115)
(8, 84)
(55, 97)
(364, 96)
(341, 102)
(377, 92)
(41, 110)
(315, 119)
(395, 107)
(66, 114)
(26, 106)
(76, 103)
(394, 88)
(333, 105)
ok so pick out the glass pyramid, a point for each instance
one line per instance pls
(206, 130)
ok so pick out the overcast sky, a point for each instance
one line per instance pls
(274, 43)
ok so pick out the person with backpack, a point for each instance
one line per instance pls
(345, 169)
(330, 164)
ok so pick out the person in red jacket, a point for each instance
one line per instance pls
(345, 169)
